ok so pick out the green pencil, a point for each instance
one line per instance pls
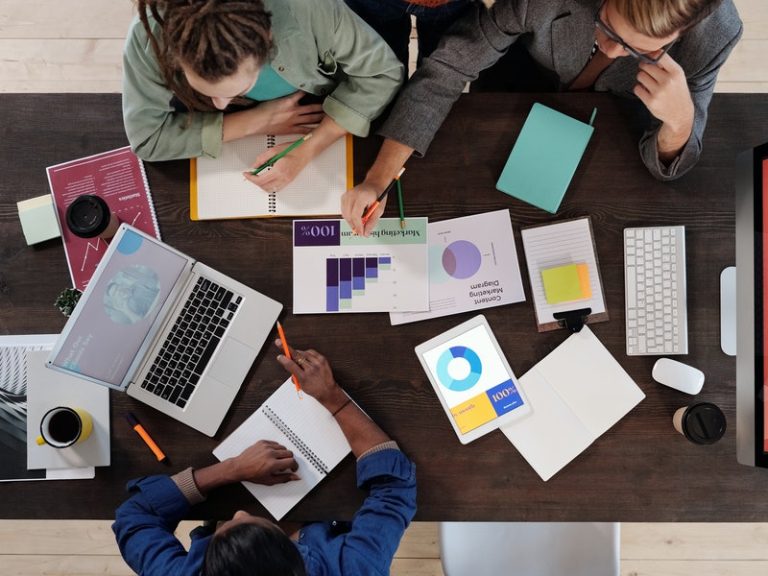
(277, 157)
(400, 203)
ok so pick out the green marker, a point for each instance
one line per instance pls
(400, 203)
(276, 157)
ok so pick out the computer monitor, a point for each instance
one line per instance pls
(752, 307)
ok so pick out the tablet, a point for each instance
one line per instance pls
(472, 379)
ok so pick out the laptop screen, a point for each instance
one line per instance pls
(119, 307)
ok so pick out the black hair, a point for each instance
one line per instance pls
(252, 550)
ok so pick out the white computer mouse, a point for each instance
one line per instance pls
(678, 375)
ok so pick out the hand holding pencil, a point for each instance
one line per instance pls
(275, 168)
(315, 374)
(364, 204)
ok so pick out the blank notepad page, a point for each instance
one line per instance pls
(223, 192)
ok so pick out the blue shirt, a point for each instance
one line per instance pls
(145, 524)
(269, 85)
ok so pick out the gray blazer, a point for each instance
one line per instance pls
(559, 35)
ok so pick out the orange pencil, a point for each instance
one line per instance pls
(287, 351)
(372, 208)
(136, 425)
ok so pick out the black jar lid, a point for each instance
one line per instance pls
(88, 216)
(703, 423)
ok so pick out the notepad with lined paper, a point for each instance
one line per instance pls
(556, 245)
(218, 190)
(302, 425)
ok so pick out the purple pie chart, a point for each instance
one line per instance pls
(461, 259)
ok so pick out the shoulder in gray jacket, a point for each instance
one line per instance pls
(559, 36)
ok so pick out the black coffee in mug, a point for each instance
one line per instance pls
(64, 426)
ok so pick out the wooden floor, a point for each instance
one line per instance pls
(75, 46)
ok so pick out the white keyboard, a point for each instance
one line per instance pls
(654, 285)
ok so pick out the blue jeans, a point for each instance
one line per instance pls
(392, 20)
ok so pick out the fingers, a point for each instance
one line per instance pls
(371, 223)
(265, 180)
(649, 81)
(295, 97)
(290, 365)
(349, 210)
(283, 478)
(666, 62)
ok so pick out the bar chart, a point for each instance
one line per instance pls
(338, 272)
(348, 277)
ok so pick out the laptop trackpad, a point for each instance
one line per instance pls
(232, 362)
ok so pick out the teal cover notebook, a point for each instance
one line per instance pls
(544, 158)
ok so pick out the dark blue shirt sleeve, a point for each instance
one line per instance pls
(144, 527)
(379, 525)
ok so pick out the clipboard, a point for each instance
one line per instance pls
(561, 243)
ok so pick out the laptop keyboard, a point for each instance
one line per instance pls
(191, 342)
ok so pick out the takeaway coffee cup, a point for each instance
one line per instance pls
(701, 423)
(89, 216)
(62, 427)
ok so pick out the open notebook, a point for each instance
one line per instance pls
(218, 190)
(303, 426)
(577, 392)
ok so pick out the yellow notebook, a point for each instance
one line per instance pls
(218, 190)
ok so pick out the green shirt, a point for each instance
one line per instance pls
(321, 47)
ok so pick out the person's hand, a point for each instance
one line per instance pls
(314, 375)
(663, 88)
(265, 462)
(286, 116)
(282, 173)
(354, 204)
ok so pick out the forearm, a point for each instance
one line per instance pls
(326, 133)
(361, 432)
(244, 123)
(215, 475)
(391, 158)
(671, 140)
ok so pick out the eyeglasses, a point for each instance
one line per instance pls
(642, 56)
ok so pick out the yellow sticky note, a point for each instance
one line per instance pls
(566, 283)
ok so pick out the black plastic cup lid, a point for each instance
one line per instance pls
(88, 216)
(703, 423)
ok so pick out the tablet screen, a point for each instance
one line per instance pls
(473, 379)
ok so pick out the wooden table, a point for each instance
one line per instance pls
(640, 470)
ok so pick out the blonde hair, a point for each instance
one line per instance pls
(662, 18)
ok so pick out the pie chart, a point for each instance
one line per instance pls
(459, 368)
(461, 259)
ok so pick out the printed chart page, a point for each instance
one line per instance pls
(472, 265)
(118, 178)
(335, 271)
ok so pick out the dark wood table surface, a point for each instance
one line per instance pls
(639, 470)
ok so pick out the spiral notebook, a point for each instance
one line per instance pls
(303, 426)
(218, 189)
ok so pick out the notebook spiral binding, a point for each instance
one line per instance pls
(272, 201)
(296, 441)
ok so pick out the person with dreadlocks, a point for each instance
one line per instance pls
(188, 63)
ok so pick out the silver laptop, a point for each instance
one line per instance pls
(170, 331)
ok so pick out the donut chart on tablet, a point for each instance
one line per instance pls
(460, 354)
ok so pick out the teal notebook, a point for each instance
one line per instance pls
(544, 158)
